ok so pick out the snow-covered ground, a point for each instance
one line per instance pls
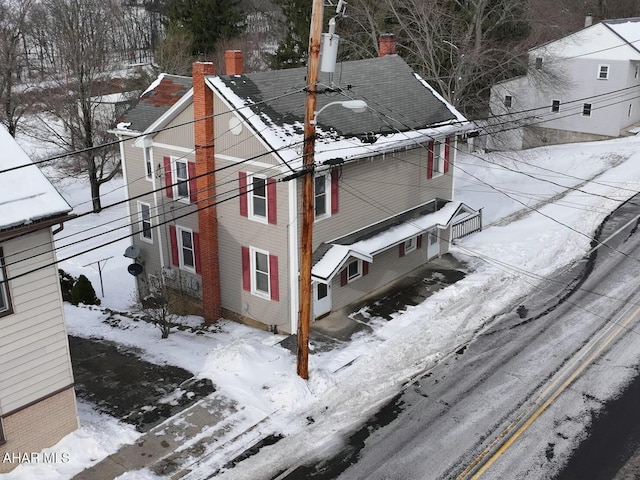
(572, 188)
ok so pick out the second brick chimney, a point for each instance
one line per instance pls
(206, 186)
(386, 44)
(233, 62)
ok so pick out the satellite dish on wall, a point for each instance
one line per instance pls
(132, 251)
(135, 269)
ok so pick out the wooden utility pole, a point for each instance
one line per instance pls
(306, 239)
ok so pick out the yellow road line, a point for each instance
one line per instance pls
(583, 365)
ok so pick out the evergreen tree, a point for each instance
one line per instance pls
(207, 22)
(293, 49)
(83, 292)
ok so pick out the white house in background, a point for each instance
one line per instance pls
(583, 87)
(37, 398)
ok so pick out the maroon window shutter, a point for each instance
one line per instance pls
(193, 187)
(401, 249)
(430, 160)
(196, 251)
(343, 277)
(447, 148)
(334, 192)
(246, 269)
(273, 278)
(244, 206)
(168, 180)
(419, 242)
(272, 205)
(365, 268)
(174, 245)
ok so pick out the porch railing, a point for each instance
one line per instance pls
(467, 225)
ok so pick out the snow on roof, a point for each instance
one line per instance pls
(287, 140)
(25, 194)
(597, 42)
(154, 84)
(365, 250)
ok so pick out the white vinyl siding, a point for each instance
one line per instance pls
(34, 353)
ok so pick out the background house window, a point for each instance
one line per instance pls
(182, 179)
(603, 72)
(538, 62)
(555, 105)
(5, 300)
(507, 101)
(637, 71)
(148, 163)
(586, 110)
(186, 249)
(438, 164)
(144, 209)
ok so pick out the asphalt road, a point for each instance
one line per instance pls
(517, 401)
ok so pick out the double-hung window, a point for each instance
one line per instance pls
(410, 245)
(555, 106)
(508, 100)
(586, 110)
(260, 273)
(148, 164)
(354, 271)
(322, 200)
(603, 72)
(186, 249)
(144, 210)
(5, 300)
(182, 179)
(258, 197)
(438, 164)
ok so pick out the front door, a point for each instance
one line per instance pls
(321, 299)
(433, 245)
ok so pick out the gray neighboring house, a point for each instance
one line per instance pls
(215, 199)
(582, 87)
(37, 398)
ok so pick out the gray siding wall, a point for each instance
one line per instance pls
(182, 136)
(34, 353)
(386, 267)
(373, 190)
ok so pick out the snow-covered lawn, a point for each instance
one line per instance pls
(250, 367)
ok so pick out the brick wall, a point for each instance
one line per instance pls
(39, 426)
(205, 167)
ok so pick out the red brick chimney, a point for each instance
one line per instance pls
(386, 44)
(206, 186)
(233, 62)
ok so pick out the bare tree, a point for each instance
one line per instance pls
(82, 33)
(13, 25)
(161, 306)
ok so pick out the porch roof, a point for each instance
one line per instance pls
(364, 244)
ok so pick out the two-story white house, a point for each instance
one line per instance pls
(37, 399)
(582, 87)
(215, 187)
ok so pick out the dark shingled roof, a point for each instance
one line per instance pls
(388, 85)
(153, 104)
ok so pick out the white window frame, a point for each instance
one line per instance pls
(637, 71)
(584, 107)
(553, 105)
(177, 181)
(144, 238)
(358, 274)
(254, 272)
(438, 158)
(603, 69)
(148, 163)
(327, 196)
(6, 308)
(630, 110)
(410, 244)
(181, 248)
(508, 101)
(251, 197)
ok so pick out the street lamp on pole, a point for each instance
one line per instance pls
(306, 237)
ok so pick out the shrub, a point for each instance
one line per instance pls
(66, 284)
(83, 292)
